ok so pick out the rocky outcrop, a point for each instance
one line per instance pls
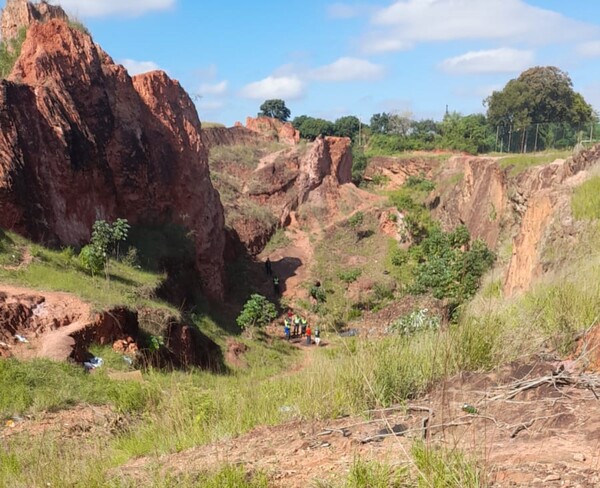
(260, 195)
(540, 197)
(398, 169)
(231, 136)
(22, 13)
(476, 192)
(274, 129)
(82, 141)
(288, 180)
(478, 199)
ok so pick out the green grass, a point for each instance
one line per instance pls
(179, 410)
(335, 270)
(41, 385)
(586, 200)
(278, 240)
(521, 162)
(445, 468)
(60, 271)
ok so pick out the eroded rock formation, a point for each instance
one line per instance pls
(519, 210)
(22, 13)
(283, 132)
(82, 141)
(289, 178)
(478, 200)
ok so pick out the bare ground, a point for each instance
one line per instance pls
(542, 437)
(54, 318)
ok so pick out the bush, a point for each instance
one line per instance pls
(420, 183)
(257, 312)
(350, 275)
(416, 321)
(356, 219)
(91, 260)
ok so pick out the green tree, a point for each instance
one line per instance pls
(275, 108)
(347, 126)
(468, 133)
(310, 128)
(380, 123)
(539, 95)
(105, 241)
(257, 312)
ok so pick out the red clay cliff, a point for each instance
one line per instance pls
(81, 140)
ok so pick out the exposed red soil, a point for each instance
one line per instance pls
(558, 445)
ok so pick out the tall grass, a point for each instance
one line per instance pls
(521, 162)
(586, 200)
(445, 468)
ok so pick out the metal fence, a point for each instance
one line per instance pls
(544, 136)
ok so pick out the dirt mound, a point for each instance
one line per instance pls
(61, 327)
(261, 195)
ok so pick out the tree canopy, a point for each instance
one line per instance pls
(310, 127)
(538, 95)
(347, 126)
(275, 108)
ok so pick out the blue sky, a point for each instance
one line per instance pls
(329, 59)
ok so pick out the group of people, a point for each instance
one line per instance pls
(295, 325)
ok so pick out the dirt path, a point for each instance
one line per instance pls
(295, 260)
(46, 319)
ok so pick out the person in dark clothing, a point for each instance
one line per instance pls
(268, 267)
(276, 287)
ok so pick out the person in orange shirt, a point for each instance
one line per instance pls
(308, 334)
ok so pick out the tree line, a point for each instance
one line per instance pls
(537, 110)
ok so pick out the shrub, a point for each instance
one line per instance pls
(416, 321)
(257, 312)
(420, 183)
(350, 275)
(91, 260)
(105, 241)
(10, 52)
(356, 219)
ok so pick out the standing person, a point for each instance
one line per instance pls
(297, 325)
(276, 288)
(268, 267)
(308, 334)
(286, 329)
(318, 337)
(303, 324)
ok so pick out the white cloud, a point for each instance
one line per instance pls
(346, 11)
(285, 87)
(348, 69)
(503, 60)
(102, 8)
(589, 49)
(137, 67)
(407, 22)
(214, 89)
